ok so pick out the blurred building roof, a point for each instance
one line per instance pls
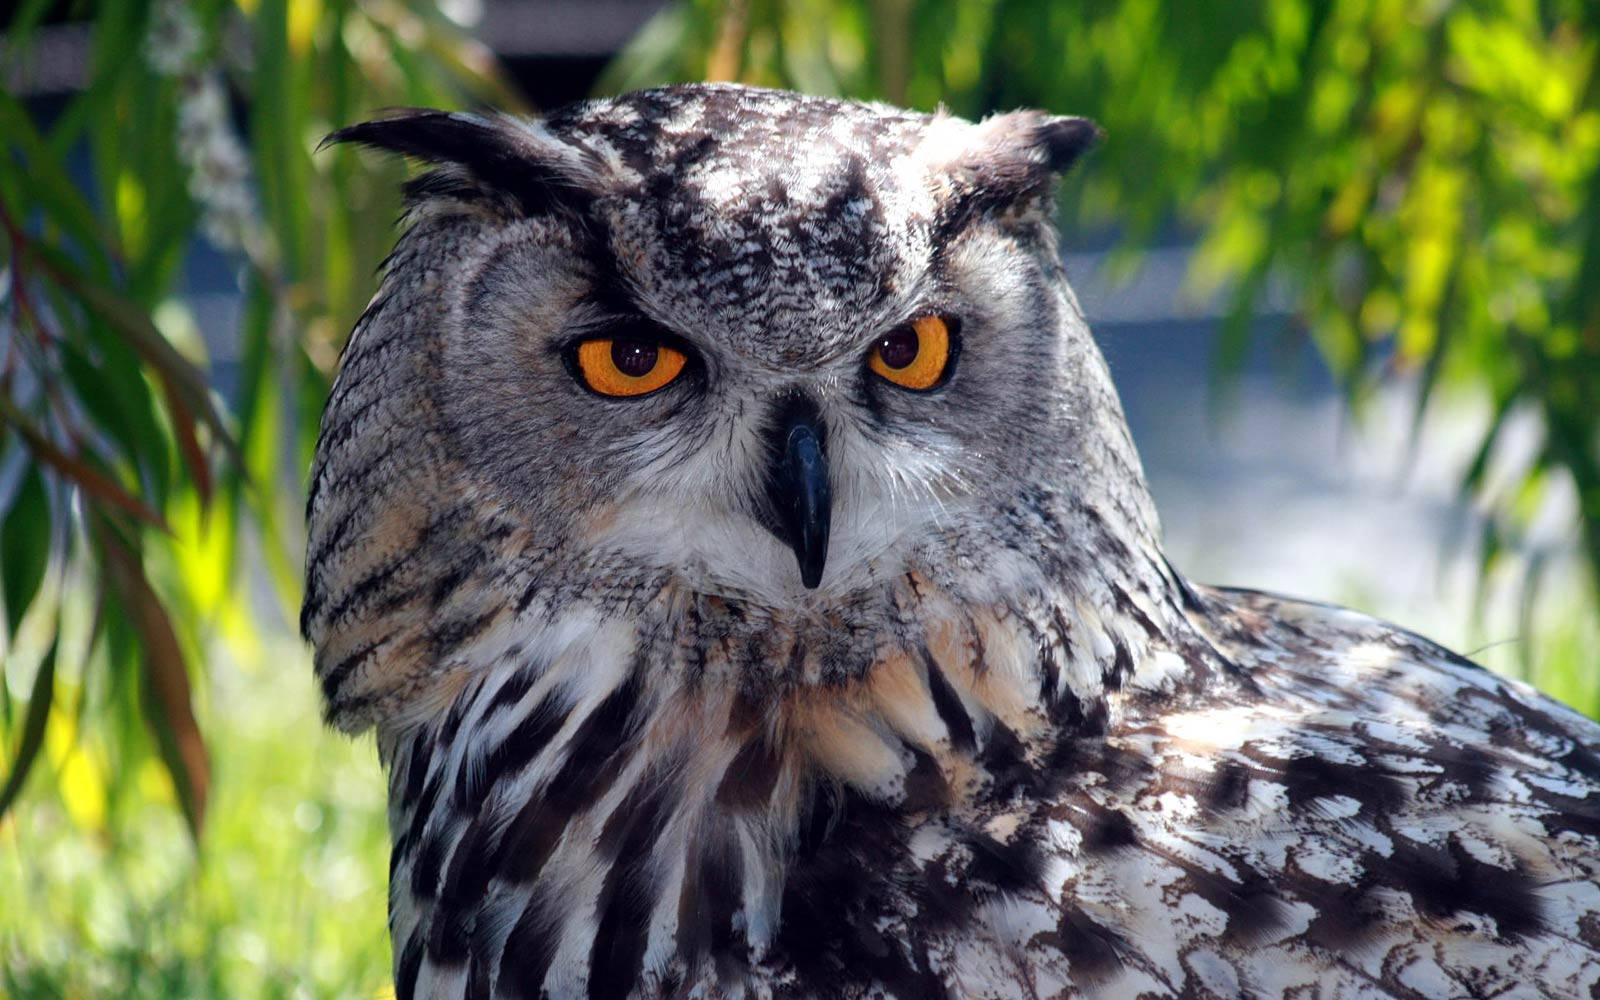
(537, 28)
(55, 62)
(578, 35)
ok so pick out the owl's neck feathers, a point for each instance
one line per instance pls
(607, 801)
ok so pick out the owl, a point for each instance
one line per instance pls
(727, 524)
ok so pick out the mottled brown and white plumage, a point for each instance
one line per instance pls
(1000, 748)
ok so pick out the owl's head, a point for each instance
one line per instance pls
(755, 360)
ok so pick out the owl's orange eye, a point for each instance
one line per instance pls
(913, 355)
(618, 367)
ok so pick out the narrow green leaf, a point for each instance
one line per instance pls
(175, 371)
(24, 19)
(117, 31)
(1432, 366)
(1472, 479)
(1527, 603)
(168, 705)
(78, 470)
(44, 688)
(273, 127)
(24, 547)
(47, 185)
(116, 396)
(194, 456)
(470, 61)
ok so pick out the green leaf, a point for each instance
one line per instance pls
(44, 687)
(24, 547)
(176, 373)
(1472, 479)
(275, 131)
(24, 19)
(79, 469)
(116, 396)
(46, 184)
(168, 704)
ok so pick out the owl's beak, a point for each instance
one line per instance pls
(799, 495)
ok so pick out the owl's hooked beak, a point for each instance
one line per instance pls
(799, 495)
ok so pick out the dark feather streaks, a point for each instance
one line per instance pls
(476, 860)
(1092, 949)
(948, 704)
(483, 851)
(850, 856)
(707, 943)
(859, 911)
(529, 949)
(1312, 776)
(405, 972)
(628, 891)
(750, 777)
(1446, 880)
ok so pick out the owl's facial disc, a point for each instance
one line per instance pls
(782, 367)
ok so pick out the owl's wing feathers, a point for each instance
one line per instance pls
(1348, 811)
(1380, 818)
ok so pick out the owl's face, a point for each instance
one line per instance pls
(645, 381)
(772, 350)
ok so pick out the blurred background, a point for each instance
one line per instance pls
(1343, 255)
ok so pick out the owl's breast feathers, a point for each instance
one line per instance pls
(1277, 800)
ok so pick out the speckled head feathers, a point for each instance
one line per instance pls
(750, 202)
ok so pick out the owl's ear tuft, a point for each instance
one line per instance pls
(1013, 159)
(1064, 138)
(1028, 146)
(517, 158)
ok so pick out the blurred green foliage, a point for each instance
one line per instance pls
(1420, 178)
(139, 510)
(124, 472)
(286, 899)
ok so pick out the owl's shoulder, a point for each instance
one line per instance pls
(1306, 656)
(1365, 809)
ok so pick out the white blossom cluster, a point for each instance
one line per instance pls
(173, 44)
(208, 147)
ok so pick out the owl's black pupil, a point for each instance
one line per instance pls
(633, 358)
(898, 348)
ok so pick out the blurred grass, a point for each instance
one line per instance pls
(1565, 670)
(286, 898)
